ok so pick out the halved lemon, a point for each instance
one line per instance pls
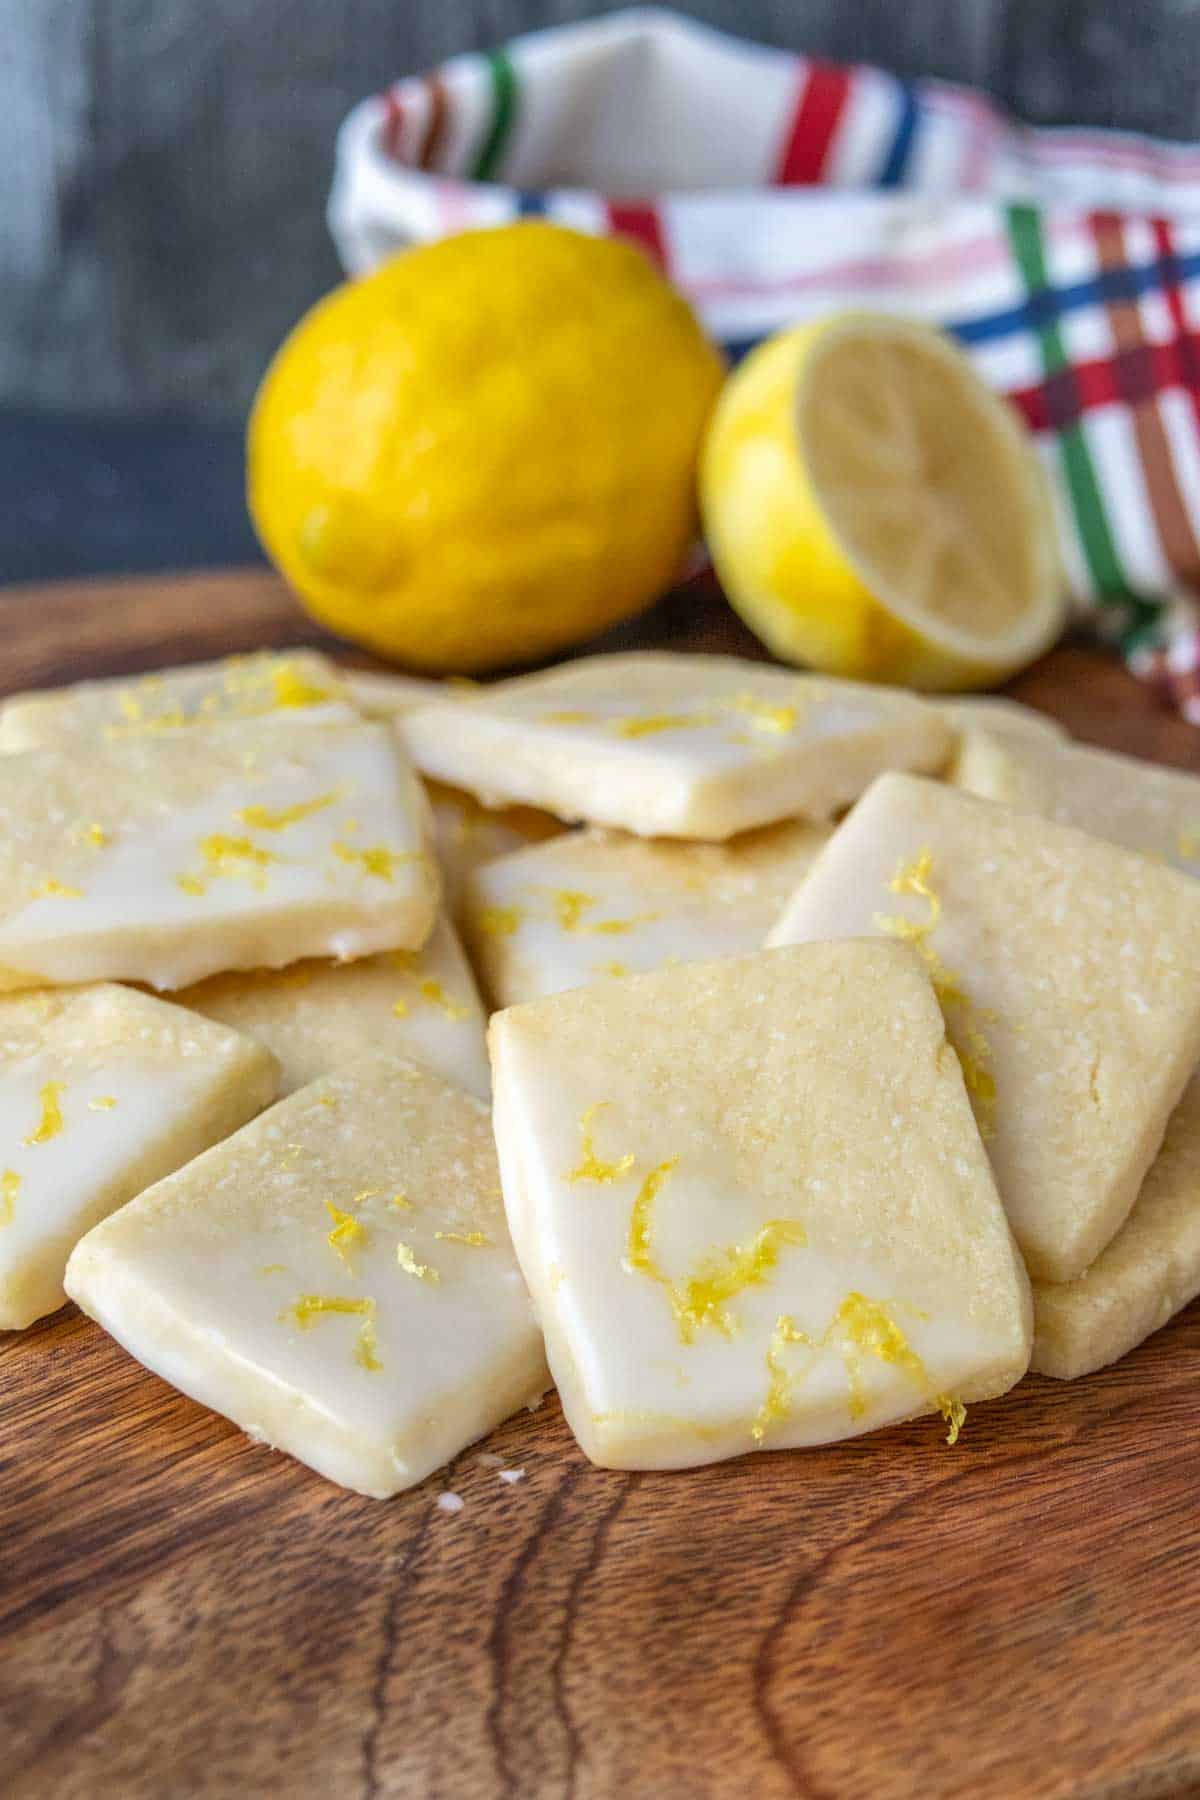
(874, 511)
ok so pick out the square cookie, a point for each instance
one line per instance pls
(1143, 1277)
(1006, 719)
(296, 684)
(382, 695)
(166, 858)
(336, 1278)
(102, 1091)
(752, 1205)
(1066, 969)
(672, 745)
(316, 1016)
(593, 904)
(467, 835)
(1138, 804)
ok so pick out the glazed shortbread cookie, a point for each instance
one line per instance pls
(317, 1016)
(382, 695)
(1004, 718)
(298, 684)
(674, 746)
(103, 1091)
(1140, 805)
(166, 858)
(592, 904)
(1067, 970)
(468, 835)
(741, 1235)
(337, 1278)
(1149, 1271)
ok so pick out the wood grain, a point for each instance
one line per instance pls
(182, 1613)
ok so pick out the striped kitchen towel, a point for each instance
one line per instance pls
(771, 187)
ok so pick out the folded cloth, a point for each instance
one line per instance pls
(772, 187)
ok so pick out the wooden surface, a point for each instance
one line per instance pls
(182, 1613)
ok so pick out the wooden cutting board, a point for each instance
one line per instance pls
(182, 1613)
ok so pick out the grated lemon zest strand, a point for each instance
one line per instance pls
(408, 1262)
(592, 1167)
(265, 818)
(51, 1122)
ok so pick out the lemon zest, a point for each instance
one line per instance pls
(52, 1120)
(591, 1167)
(102, 1103)
(292, 690)
(765, 715)
(225, 855)
(305, 1312)
(264, 818)
(408, 1262)
(477, 1240)
(652, 723)
(435, 995)
(56, 890)
(860, 1328)
(974, 1051)
(702, 1298)
(570, 904)
(779, 1381)
(10, 1188)
(376, 860)
(347, 1230)
(501, 921)
(954, 1413)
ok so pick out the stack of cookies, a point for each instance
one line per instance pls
(842, 1067)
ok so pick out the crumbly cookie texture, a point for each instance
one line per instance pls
(591, 905)
(1066, 969)
(337, 1278)
(675, 746)
(102, 1091)
(316, 1016)
(467, 835)
(739, 1235)
(1138, 804)
(169, 857)
(1007, 719)
(296, 685)
(1143, 1277)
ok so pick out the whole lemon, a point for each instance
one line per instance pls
(485, 451)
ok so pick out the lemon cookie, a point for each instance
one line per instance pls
(1066, 969)
(672, 745)
(740, 1234)
(336, 1278)
(103, 1091)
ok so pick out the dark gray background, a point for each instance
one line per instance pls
(163, 172)
(166, 161)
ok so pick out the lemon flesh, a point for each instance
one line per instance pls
(874, 511)
(486, 450)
